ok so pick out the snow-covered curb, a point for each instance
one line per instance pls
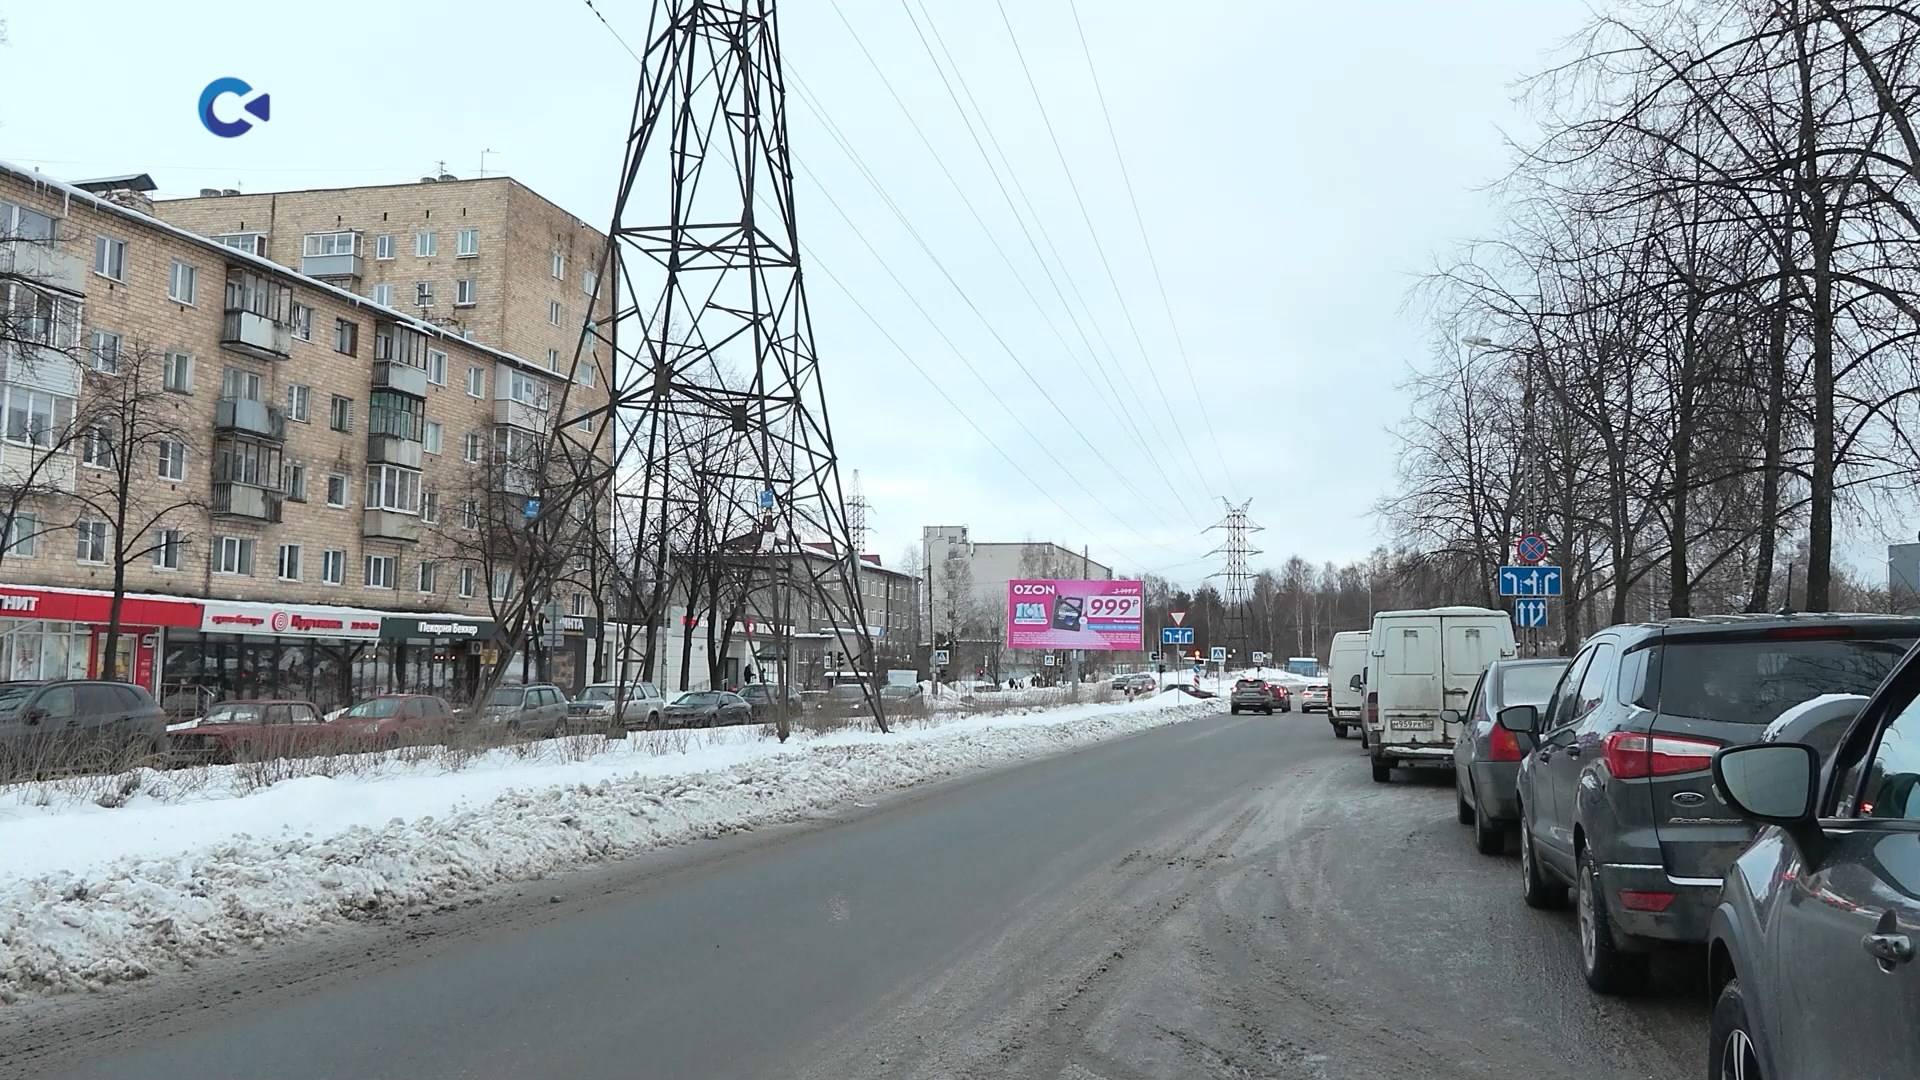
(125, 918)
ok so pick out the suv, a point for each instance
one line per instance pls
(55, 724)
(539, 709)
(1251, 695)
(765, 699)
(640, 705)
(1811, 952)
(1616, 796)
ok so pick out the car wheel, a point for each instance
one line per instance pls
(1462, 809)
(1382, 771)
(1536, 890)
(1608, 969)
(1339, 731)
(1489, 837)
(1234, 709)
(1732, 1053)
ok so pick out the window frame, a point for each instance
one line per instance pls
(281, 561)
(372, 559)
(299, 402)
(184, 367)
(426, 243)
(110, 257)
(179, 458)
(382, 294)
(166, 550)
(337, 558)
(383, 247)
(180, 272)
(241, 547)
(465, 291)
(340, 414)
(346, 337)
(466, 242)
(346, 490)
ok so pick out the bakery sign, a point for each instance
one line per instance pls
(281, 620)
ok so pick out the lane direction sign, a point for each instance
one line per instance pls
(1530, 614)
(1540, 580)
(1176, 635)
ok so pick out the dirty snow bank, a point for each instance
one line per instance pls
(92, 896)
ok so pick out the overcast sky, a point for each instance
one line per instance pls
(1296, 165)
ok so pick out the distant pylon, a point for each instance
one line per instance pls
(857, 506)
(1238, 574)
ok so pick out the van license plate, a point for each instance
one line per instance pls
(1411, 723)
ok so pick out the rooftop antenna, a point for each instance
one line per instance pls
(857, 514)
(483, 160)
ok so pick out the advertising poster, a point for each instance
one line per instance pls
(1105, 616)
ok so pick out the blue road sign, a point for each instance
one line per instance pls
(1529, 581)
(766, 499)
(1531, 548)
(1217, 654)
(1176, 635)
(1530, 614)
(532, 509)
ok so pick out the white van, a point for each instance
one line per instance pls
(1421, 668)
(1347, 681)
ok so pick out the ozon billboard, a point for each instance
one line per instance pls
(1101, 615)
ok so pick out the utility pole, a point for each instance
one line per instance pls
(1238, 575)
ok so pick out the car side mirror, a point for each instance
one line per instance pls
(1353, 683)
(1773, 783)
(1520, 719)
(1449, 716)
(34, 715)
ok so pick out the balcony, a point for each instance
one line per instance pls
(400, 378)
(233, 499)
(389, 525)
(385, 449)
(30, 469)
(332, 267)
(259, 335)
(249, 417)
(45, 264)
(519, 414)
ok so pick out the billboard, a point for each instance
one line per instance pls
(1102, 615)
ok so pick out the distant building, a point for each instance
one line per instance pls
(985, 568)
(1903, 578)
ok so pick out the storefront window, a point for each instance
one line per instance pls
(32, 649)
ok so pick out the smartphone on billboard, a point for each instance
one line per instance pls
(1067, 613)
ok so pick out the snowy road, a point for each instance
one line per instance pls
(1228, 897)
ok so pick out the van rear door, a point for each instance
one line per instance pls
(1468, 644)
(1408, 669)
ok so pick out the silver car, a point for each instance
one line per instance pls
(640, 705)
(1486, 756)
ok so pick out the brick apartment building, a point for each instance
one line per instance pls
(327, 381)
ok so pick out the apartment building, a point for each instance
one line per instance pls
(305, 467)
(984, 569)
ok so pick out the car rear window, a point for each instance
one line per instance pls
(1249, 684)
(1529, 685)
(1754, 681)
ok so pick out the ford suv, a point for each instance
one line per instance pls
(1251, 695)
(1616, 794)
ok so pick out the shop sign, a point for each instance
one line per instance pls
(394, 627)
(95, 607)
(281, 621)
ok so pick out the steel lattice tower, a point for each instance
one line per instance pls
(714, 365)
(1237, 572)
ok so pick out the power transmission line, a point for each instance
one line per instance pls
(1237, 572)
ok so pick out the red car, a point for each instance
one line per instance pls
(1282, 697)
(387, 719)
(249, 731)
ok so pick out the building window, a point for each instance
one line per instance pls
(553, 312)
(390, 487)
(110, 258)
(577, 604)
(243, 461)
(289, 562)
(90, 541)
(424, 244)
(589, 282)
(383, 295)
(378, 571)
(252, 243)
(466, 582)
(428, 571)
(423, 293)
(469, 514)
(472, 453)
(383, 246)
(502, 585)
(340, 413)
(297, 395)
(559, 266)
(233, 555)
(466, 243)
(96, 448)
(21, 536)
(336, 489)
(173, 459)
(346, 336)
(476, 382)
(430, 439)
(295, 483)
(333, 566)
(166, 549)
(106, 352)
(240, 384)
(177, 372)
(436, 367)
(332, 243)
(303, 322)
(553, 359)
(430, 507)
(463, 292)
(180, 282)
(585, 374)
(526, 389)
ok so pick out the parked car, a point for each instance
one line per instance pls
(1421, 667)
(534, 709)
(1282, 696)
(388, 719)
(1138, 682)
(845, 698)
(251, 731)
(1811, 945)
(1346, 681)
(1486, 756)
(762, 697)
(1315, 697)
(56, 724)
(1251, 695)
(1616, 793)
(707, 708)
(640, 705)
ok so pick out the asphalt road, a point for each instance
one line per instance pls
(1232, 897)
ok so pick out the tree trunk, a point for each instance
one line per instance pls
(1769, 519)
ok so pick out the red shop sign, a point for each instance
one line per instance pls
(89, 607)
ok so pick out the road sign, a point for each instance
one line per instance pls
(1176, 635)
(1047, 660)
(1217, 654)
(1177, 616)
(1531, 549)
(532, 509)
(1259, 658)
(939, 658)
(1530, 614)
(1540, 580)
(766, 499)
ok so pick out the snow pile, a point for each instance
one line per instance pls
(83, 907)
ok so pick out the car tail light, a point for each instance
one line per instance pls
(1631, 756)
(1639, 900)
(1373, 707)
(1803, 633)
(1502, 746)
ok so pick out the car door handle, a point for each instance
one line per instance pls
(1888, 949)
(1573, 750)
